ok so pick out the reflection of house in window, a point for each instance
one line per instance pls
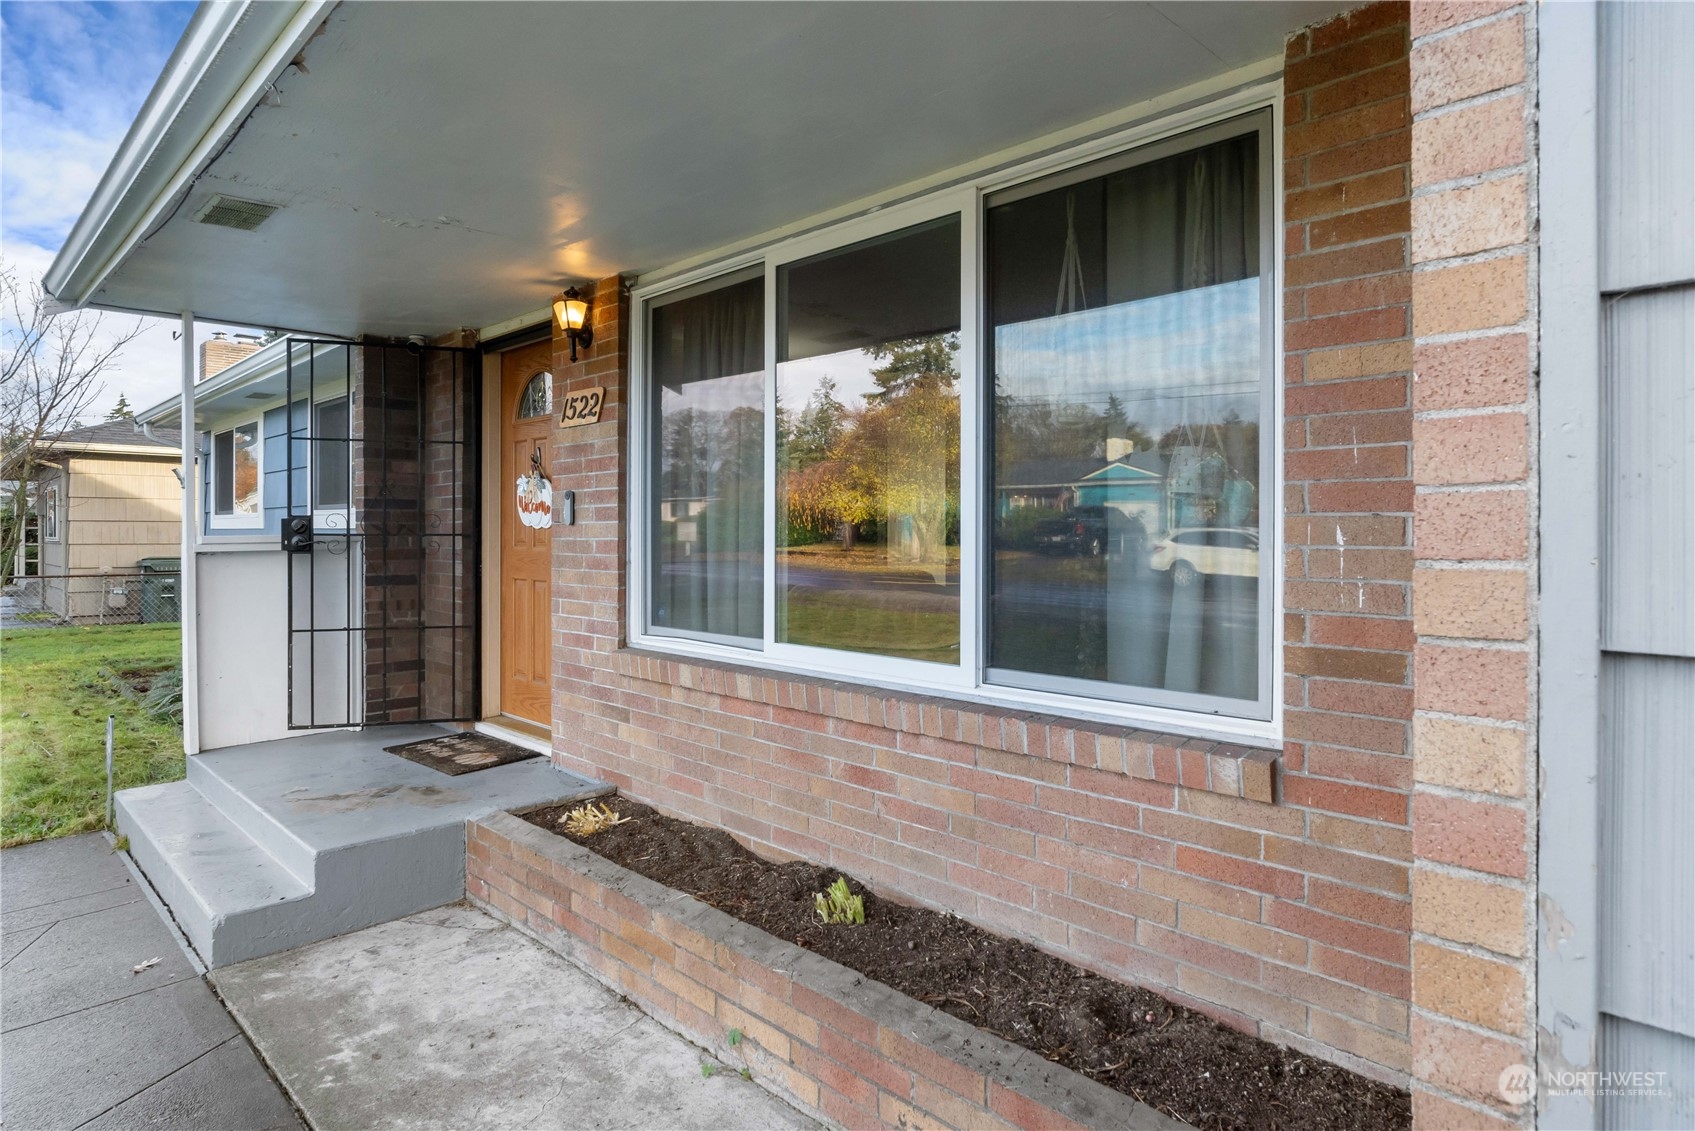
(1134, 484)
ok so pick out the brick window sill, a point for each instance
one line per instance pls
(1231, 769)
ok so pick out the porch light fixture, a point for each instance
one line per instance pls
(571, 311)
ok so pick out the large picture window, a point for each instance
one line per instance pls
(1013, 442)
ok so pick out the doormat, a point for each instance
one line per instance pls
(462, 753)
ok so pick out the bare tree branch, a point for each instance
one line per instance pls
(51, 372)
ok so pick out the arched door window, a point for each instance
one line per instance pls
(537, 399)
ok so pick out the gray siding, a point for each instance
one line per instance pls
(1646, 878)
(1647, 143)
(1648, 484)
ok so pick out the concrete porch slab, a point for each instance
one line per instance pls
(278, 844)
(449, 1019)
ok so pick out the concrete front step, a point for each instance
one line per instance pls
(275, 845)
(225, 891)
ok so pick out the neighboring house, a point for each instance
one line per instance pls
(1402, 291)
(106, 498)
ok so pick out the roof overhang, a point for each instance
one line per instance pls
(257, 380)
(140, 450)
(444, 165)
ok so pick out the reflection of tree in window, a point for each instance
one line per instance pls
(246, 474)
(868, 446)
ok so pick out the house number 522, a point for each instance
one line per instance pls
(582, 407)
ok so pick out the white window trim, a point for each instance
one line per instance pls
(969, 681)
(328, 519)
(217, 521)
(49, 513)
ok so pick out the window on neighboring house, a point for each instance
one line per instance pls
(50, 513)
(237, 477)
(1012, 444)
(332, 462)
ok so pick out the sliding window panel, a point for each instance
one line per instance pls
(1130, 433)
(707, 444)
(868, 447)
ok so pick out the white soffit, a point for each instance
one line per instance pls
(440, 165)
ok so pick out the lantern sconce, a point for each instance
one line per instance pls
(571, 311)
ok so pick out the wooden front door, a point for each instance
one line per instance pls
(526, 556)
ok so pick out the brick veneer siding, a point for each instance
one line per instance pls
(387, 485)
(1474, 322)
(1272, 896)
(415, 419)
(839, 1046)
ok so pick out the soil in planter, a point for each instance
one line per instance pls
(1130, 1039)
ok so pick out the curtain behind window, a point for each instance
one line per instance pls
(708, 439)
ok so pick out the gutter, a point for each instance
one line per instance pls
(228, 57)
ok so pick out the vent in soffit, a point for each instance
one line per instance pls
(232, 212)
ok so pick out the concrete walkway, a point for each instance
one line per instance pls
(449, 1019)
(90, 1043)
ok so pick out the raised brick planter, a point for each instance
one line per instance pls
(830, 1041)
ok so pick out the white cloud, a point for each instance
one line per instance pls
(72, 77)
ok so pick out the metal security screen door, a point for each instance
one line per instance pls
(381, 532)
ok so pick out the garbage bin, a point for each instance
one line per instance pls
(160, 596)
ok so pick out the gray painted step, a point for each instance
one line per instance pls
(218, 883)
(275, 845)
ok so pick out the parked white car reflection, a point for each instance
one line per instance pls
(1195, 550)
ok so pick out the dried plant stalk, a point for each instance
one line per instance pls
(586, 820)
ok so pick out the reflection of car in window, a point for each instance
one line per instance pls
(1191, 552)
(1090, 532)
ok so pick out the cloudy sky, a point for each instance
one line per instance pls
(72, 77)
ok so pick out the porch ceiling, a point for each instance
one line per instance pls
(450, 164)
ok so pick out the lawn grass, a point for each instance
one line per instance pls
(54, 699)
(833, 619)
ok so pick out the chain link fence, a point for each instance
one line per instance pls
(139, 596)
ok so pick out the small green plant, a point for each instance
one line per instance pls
(838, 905)
(747, 1073)
(121, 844)
(735, 1037)
(708, 1071)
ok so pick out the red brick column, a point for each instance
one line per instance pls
(1474, 326)
(1348, 499)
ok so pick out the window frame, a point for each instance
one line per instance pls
(971, 681)
(233, 520)
(328, 518)
(48, 512)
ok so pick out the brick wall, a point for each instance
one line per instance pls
(1474, 321)
(1348, 491)
(814, 1032)
(413, 417)
(387, 484)
(1143, 856)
